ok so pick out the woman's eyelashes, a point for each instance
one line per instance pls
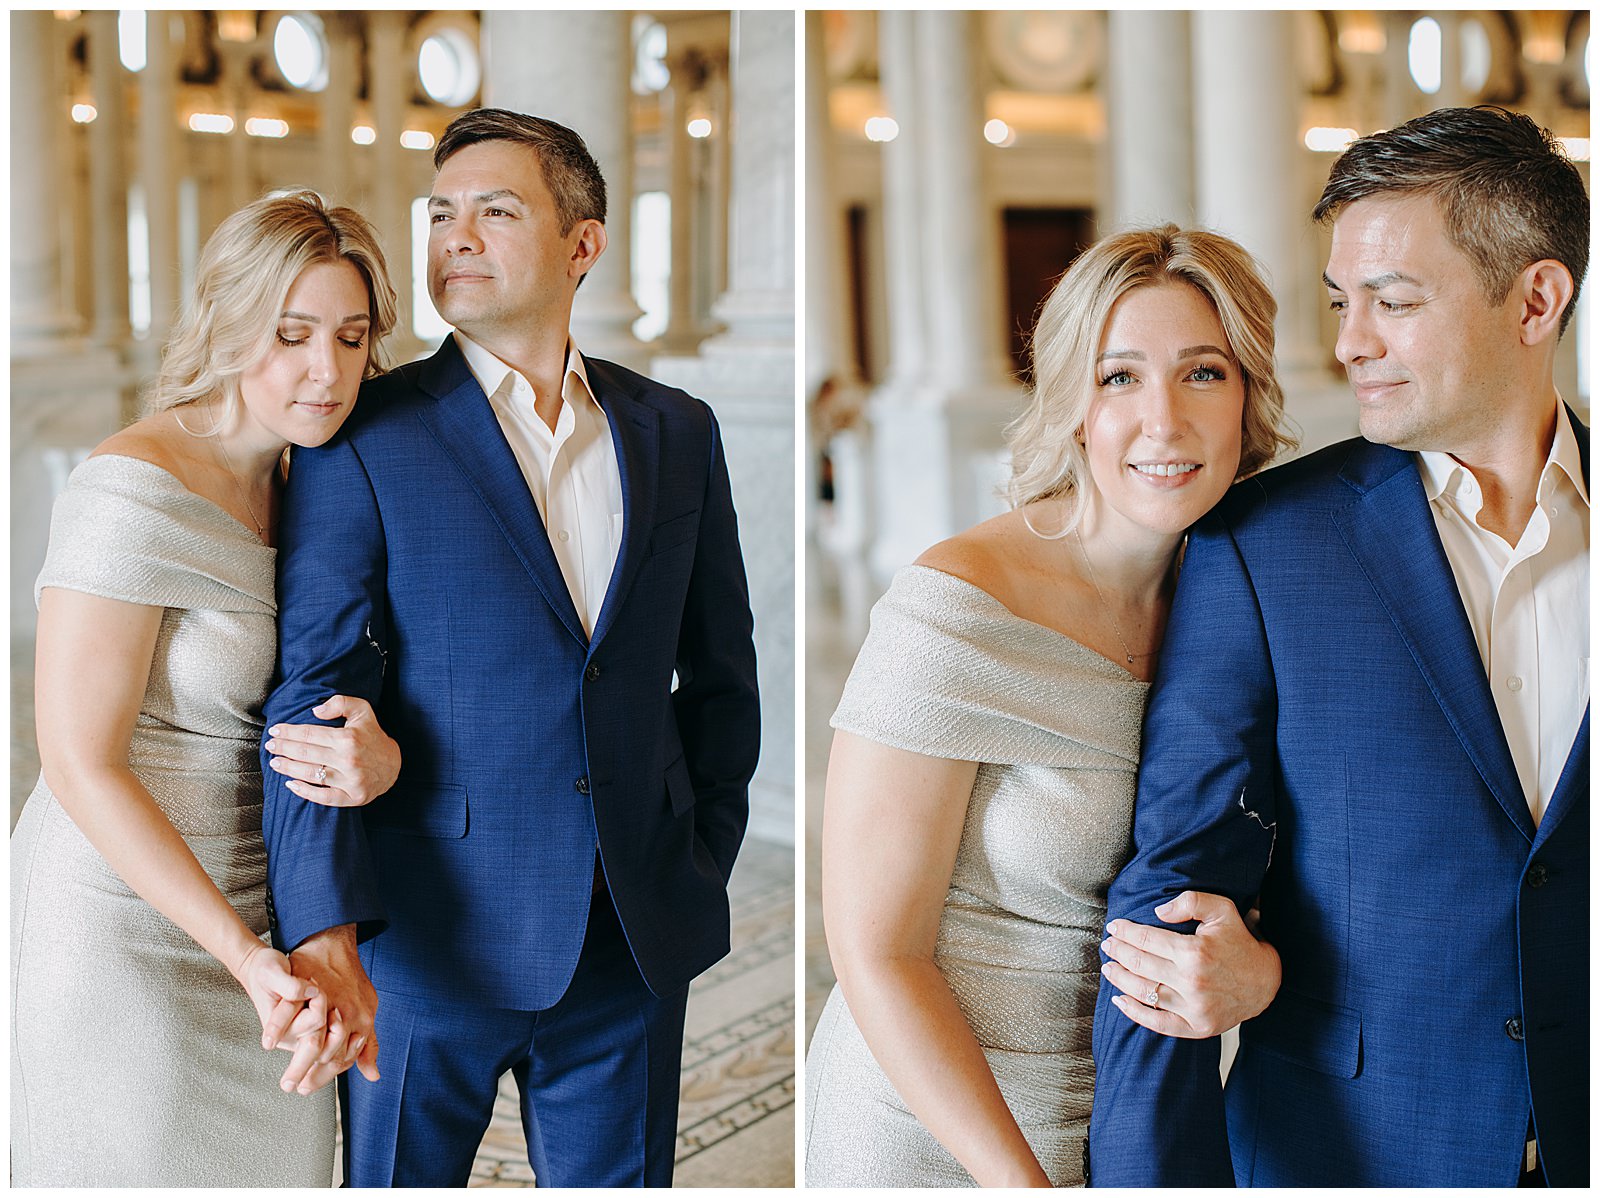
(347, 342)
(1207, 373)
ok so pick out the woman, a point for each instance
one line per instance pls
(980, 789)
(138, 870)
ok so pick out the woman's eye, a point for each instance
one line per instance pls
(1207, 374)
(291, 341)
(1117, 378)
(355, 343)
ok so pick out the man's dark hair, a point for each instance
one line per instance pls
(1509, 196)
(569, 170)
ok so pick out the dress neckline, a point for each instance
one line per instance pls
(1055, 633)
(177, 483)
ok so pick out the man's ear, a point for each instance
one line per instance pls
(1544, 290)
(588, 244)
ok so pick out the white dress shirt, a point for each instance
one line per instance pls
(572, 471)
(1528, 604)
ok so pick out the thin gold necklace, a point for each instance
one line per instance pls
(261, 530)
(1115, 627)
(228, 465)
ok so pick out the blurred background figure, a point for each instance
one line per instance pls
(134, 133)
(956, 164)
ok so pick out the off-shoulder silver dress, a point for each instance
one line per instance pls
(949, 671)
(136, 1060)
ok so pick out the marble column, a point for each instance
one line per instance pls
(389, 198)
(967, 310)
(108, 181)
(827, 330)
(40, 314)
(573, 67)
(337, 117)
(236, 87)
(903, 199)
(746, 374)
(937, 443)
(683, 328)
(1252, 185)
(829, 357)
(67, 391)
(159, 170)
(1151, 131)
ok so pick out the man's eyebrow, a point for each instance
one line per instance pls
(1377, 282)
(483, 197)
(291, 314)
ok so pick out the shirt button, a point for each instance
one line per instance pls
(1513, 684)
(583, 785)
(563, 536)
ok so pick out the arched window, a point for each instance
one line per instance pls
(301, 50)
(447, 65)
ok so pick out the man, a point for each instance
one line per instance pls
(1372, 716)
(509, 551)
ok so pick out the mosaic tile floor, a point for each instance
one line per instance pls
(736, 1108)
(736, 1118)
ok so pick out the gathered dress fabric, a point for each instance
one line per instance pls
(950, 672)
(136, 1059)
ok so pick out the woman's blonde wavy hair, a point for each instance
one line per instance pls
(1047, 459)
(242, 282)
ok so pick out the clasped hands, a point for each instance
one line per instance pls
(316, 1004)
(1191, 986)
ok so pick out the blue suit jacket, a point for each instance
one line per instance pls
(1321, 734)
(415, 572)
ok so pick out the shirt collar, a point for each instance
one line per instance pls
(1564, 457)
(1442, 474)
(492, 373)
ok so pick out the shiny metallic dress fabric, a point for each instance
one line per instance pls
(948, 671)
(135, 1058)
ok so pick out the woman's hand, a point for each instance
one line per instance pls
(1194, 986)
(322, 1048)
(337, 767)
(277, 995)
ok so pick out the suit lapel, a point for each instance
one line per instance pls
(1571, 787)
(1391, 533)
(636, 434)
(1574, 781)
(466, 428)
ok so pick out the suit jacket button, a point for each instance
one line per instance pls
(1514, 1028)
(1538, 875)
(592, 673)
(583, 785)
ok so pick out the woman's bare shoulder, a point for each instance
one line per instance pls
(984, 555)
(157, 440)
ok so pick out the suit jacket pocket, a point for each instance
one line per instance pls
(435, 811)
(669, 534)
(680, 792)
(1309, 1032)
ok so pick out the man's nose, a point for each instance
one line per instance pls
(1358, 339)
(461, 237)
